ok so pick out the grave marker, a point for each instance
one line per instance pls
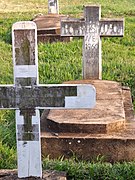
(53, 7)
(92, 29)
(27, 96)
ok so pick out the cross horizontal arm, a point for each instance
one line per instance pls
(72, 28)
(107, 27)
(110, 27)
(47, 97)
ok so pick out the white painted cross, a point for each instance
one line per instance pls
(27, 96)
(92, 29)
(53, 7)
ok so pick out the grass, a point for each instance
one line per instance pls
(7, 140)
(61, 66)
(82, 170)
(60, 62)
(22, 6)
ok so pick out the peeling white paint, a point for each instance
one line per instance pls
(24, 71)
(86, 98)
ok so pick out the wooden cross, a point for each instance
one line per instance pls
(53, 7)
(92, 29)
(27, 96)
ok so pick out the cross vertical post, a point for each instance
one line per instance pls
(25, 62)
(53, 7)
(92, 43)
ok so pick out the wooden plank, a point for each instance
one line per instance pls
(111, 28)
(92, 68)
(107, 28)
(24, 35)
(72, 27)
(22, 149)
(44, 97)
(25, 56)
(35, 167)
(29, 152)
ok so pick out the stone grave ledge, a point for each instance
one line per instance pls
(48, 27)
(113, 147)
(113, 108)
(47, 175)
(113, 133)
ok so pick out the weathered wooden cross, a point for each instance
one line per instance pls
(92, 29)
(26, 96)
(53, 7)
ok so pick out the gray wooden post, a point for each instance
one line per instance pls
(53, 7)
(27, 96)
(92, 29)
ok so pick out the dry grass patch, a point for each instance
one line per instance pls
(7, 6)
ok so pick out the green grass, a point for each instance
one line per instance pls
(7, 140)
(85, 170)
(60, 62)
(64, 65)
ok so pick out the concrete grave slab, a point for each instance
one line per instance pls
(107, 116)
(107, 130)
(48, 26)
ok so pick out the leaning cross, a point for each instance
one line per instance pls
(53, 7)
(92, 29)
(26, 96)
